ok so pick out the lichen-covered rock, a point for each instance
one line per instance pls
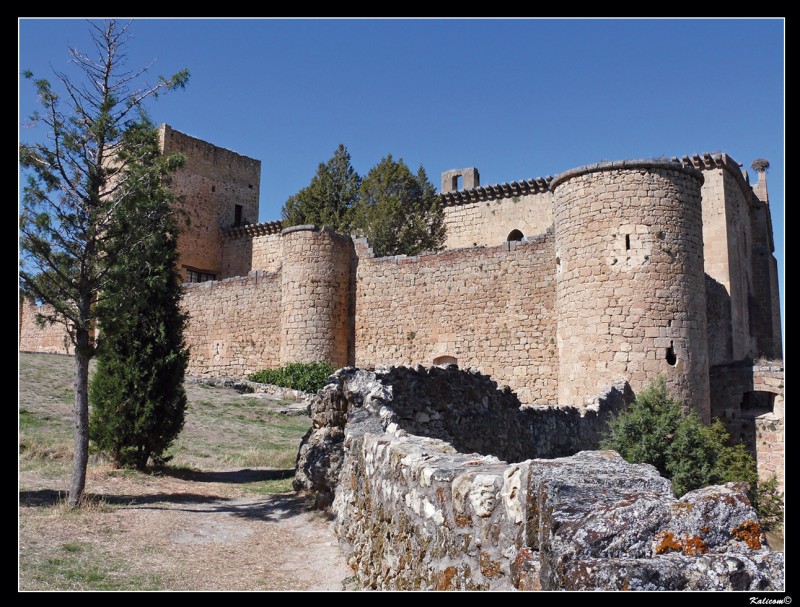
(677, 572)
(604, 523)
(712, 519)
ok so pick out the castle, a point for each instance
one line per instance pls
(555, 286)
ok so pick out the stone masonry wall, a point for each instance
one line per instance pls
(245, 253)
(419, 513)
(233, 325)
(489, 222)
(316, 316)
(209, 185)
(630, 283)
(749, 399)
(491, 308)
(727, 240)
(464, 408)
(50, 338)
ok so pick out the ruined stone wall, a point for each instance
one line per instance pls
(233, 325)
(490, 220)
(749, 399)
(491, 308)
(209, 185)
(316, 318)
(420, 513)
(630, 284)
(50, 338)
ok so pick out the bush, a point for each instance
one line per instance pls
(769, 503)
(308, 377)
(655, 430)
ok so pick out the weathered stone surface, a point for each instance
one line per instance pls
(418, 512)
(321, 454)
(678, 572)
(715, 519)
(464, 408)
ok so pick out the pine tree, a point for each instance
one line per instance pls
(137, 395)
(329, 198)
(75, 180)
(399, 212)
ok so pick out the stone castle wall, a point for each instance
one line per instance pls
(251, 248)
(491, 308)
(233, 325)
(208, 187)
(630, 283)
(488, 221)
(727, 237)
(33, 337)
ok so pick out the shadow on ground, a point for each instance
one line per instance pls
(246, 475)
(51, 497)
(271, 508)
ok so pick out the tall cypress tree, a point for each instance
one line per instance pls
(137, 395)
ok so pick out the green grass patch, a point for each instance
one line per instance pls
(28, 421)
(84, 571)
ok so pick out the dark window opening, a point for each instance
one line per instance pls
(213, 188)
(515, 235)
(670, 356)
(199, 276)
(445, 360)
(237, 215)
(627, 242)
(757, 403)
(250, 186)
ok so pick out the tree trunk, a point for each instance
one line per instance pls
(81, 456)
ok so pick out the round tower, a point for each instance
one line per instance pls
(316, 296)
(630, 288)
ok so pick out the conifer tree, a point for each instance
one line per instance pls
(137, 395)
(329, 198)
(399, 212)
(76, 177)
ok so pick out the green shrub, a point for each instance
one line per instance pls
(769, 503)
(308, 377)
(655, 430)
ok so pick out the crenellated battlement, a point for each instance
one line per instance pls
(264, 228)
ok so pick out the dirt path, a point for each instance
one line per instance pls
(218, 518)
(181, 535)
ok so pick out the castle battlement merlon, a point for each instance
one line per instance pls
(264, 228)
(495, 191)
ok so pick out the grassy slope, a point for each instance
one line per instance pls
(232, 447)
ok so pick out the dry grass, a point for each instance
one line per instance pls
(216, 519)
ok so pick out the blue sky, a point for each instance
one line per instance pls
(516, 98)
